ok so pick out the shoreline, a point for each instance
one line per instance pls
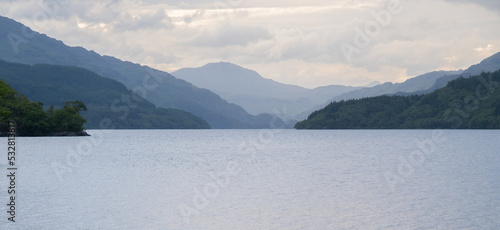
(57, 134)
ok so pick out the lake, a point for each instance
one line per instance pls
(256, 179)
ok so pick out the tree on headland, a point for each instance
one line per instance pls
(68, 119)
(33, 120)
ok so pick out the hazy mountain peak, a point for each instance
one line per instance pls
(230, 79)
(255, 93)
(222, 71)
(373, 83)
(223, 64)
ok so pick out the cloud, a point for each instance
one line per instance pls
(153, 19)
(228, 35)
(423, 42)
(488, 4)
(485, 50)
(291, 41)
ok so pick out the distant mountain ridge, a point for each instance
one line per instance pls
(421, 82)
(408, 87)
(255, 93)
(159, 87)
(425, 83)
(490, 64)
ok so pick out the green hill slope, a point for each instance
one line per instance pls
(104, 98)
(465, 103)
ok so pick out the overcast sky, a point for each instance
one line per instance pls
(308, 43)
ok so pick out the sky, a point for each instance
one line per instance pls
(307, 43)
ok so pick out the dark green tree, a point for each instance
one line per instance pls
(68, 119)
(32, 120)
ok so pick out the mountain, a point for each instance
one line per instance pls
(372, 84)
(425, 83)
(255, 93)
(411, 85)
(465, 103)
(20, 44)
(419, 85)
(105, 99)
(489, 64)
(421, 82)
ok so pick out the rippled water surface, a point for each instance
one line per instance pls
(256, 179)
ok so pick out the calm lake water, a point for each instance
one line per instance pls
(256, 179)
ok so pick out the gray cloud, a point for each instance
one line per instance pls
(228, 35)
(489, 4)
(157, 20)
(290, 41)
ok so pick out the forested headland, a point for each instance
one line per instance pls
(465, 103)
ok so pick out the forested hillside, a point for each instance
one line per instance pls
(104, 98)
(465, 103)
